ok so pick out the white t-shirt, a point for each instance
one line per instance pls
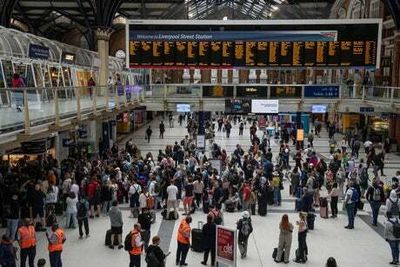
(142, 201)
(172, 191)
(135, 188)
(71, 205)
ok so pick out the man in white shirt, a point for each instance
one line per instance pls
(152, 191)
(172, 192)
(134, 193)
(75, 187)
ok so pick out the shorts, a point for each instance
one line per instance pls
(37, 211)
(134, 202)
(187, 201)
(116, 230)
(93, 201)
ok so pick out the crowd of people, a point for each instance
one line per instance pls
(249, 179)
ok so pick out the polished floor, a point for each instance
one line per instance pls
(363, 246)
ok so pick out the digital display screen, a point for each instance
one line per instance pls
(238, 106)
(200, 45)
(182, 107)
(318, 109)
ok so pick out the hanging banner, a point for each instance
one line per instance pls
(226, 243)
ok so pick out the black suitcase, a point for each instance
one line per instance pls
(360, 205)
(275, 253)
(206, 207)
(310, 221)
(197, 240)
(298, 255)
(39, 227)
(172, 216)
(323, 202)
(230, 207)
(108, 239)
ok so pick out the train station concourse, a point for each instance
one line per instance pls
(199, 133)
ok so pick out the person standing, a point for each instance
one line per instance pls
(71, 211)
(135, 251)
(351, 200)
(172, 191)
(162, 129)
(56, 245)
(83, 216)
(116, 224)
(144, 219)
(209, 233)
(302, 235)
(285, 239)
(245, 229)
(198, 187)
(27, 243)
(375, 196)
(183, 238)
(241, 128)
(7, 252)
(155, 257)
(334, 195)
(13, 217)
(149, 131)
(310, 138)
(392, 236)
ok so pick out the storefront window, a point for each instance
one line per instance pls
(55, 76)
(66, 73)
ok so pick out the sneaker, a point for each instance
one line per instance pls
(204, 263)
(87, 235)
(80, 237)
(111, 246)
(184, 264)
(120, 246)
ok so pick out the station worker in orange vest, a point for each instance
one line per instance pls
(183, 237)
(137, 246)
(56, 244)
(27, 243)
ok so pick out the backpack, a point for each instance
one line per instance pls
(396, 228)
(377, 194)
(355, 196)
(246, 228)
(82, 210)
(151, 259)
(394, 210)
(128, 242)
(149, 202)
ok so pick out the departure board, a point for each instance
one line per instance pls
(297, 54)
(192, 53)
(273, 54)
(251, 50)
(259, 44)
(285, 55)
(262, 54)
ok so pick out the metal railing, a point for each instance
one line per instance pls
(24, 108)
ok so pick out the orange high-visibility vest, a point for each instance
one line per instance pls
(27, 237)
(184, 232)
(135, 249)
(58, 246)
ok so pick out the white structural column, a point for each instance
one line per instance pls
(103, 38)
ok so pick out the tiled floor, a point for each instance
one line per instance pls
(360, 247)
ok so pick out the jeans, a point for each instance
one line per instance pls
(206, 252)
(394, 247)
(135, 260)
(28, 253)
(106, 207)
(55, 259)
(303, 249)
(12, 226)
(350, 213)
(375, 205)
(85, 223)
(70, 217)
(277, 196)
(181, 253)
(243, 246)
(334, 208)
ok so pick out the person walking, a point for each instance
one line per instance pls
(71, 211)
(135, 251)
(285, 239)
(155, 257)
(149, 131)
(83, 216)
(27, 243)
(115, 216)
(302, 251)
(7, 252)
(56, 245)
(392, 205)
(245, 229)
(162, 129)
(183, 238)
(351, 199)
(209, 232)
(392, 236)
(334, 195)
(375, 196)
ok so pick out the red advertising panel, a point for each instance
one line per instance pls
(226, 245)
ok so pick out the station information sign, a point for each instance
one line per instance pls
(253, 44)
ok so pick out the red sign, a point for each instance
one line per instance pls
(226, 244)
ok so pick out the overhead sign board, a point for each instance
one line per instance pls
(38, 52)
(317, 91)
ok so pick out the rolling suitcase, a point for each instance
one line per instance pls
(197, 238)
(108, 239)
(323, 209)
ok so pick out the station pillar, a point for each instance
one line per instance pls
(396, 60)
(103, 38)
